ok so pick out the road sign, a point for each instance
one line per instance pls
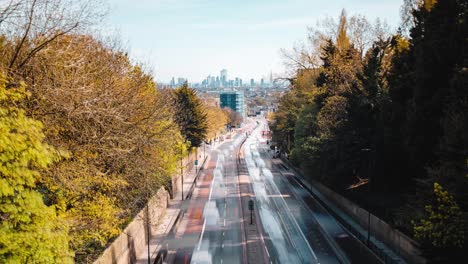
(251, 204)
(251, 207)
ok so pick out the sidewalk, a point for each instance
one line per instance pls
(173, 213)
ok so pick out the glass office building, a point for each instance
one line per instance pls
(233, 100)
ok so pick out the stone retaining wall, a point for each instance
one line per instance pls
(134, 237)
(403, 245)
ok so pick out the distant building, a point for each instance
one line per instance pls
(271, 79)
(181, 81)
(233, 100)
(252, 82)
(223, 77)
(262, 83)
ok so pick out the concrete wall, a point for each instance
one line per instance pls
(399, 242)
(133, 239)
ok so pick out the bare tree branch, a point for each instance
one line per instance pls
(25, 35)
(8, 10)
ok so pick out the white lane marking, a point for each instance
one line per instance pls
(204, 221)
(201, 237)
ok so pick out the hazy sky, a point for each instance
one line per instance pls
(195, 38)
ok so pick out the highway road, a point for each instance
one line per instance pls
(221, 238)
(211, 229)
(293, 226)
(307, 227)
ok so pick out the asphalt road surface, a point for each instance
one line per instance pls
(295, 228)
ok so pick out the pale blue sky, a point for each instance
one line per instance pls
(195, 38)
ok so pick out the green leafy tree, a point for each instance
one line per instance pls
(30, 231)
(190, 115)
(442, 229)
(328, 51)
(438, 45)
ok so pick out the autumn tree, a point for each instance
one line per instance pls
(105, 112)
(234, 118)
(32, 25)
(30, 231)
(216, 119)
(116, 125)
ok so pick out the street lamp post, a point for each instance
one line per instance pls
(148, 231)
(182, 172)
(148, 224)
(369, 185)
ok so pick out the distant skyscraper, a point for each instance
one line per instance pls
(262, 82)
(173, 82)
(181, 81)
(240, 82)
(252, 82)
(223, 77)
(271, 79)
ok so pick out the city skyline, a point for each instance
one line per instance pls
(222, 80)
(194, 37)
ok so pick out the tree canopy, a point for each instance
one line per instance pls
(190, 115)
(30, 231)
(106, 113)
(392, 114)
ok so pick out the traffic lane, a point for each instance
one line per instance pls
(307, 223)
(275, 233)
(279, 245)
(222, 239)
(355, 251)
(292, 229)
(309, 226)
(351, 246)
(232, 249)
(278, 242)
(187, 235)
